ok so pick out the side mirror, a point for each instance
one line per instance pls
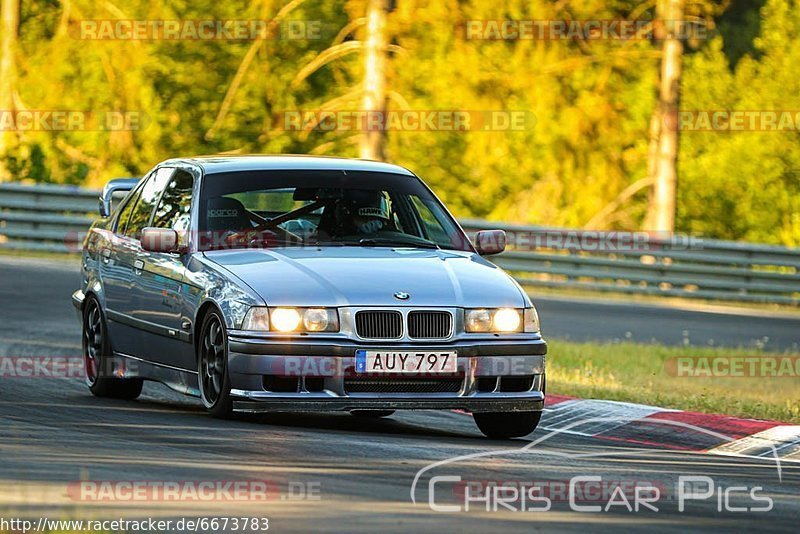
(488, 242)
(120, 185)
(160, 240)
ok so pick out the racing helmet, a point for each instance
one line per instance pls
(365, 212)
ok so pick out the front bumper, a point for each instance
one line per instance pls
(320, 373)
(77, 302)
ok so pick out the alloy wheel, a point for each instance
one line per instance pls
(212, 362)
(93, 338)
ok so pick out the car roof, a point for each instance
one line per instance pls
(238, 163)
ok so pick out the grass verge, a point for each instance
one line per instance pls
(645, 374)
(40, 255)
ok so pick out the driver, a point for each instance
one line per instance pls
(361, 212)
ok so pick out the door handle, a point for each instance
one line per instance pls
(138, 265)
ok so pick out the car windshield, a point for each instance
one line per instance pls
(323, 208)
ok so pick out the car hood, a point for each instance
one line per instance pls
(370, 276)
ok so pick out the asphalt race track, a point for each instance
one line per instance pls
(339, 472)
(592, 320)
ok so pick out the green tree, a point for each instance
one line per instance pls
(745, 185)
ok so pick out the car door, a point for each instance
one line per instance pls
(159, 280)
(116, 273)
(129, 331)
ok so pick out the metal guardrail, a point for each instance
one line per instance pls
(675, 266)
(55, 218)
(49, 218)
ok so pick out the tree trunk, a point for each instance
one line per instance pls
(374, 100)
(9, 26)
(664, 150)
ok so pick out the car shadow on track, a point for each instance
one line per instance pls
(158, 402)
(433, 424)
(349, 423)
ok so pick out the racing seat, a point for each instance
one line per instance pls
(226, 214)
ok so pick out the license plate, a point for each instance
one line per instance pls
(427, 362)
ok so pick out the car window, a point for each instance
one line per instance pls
(127, 209)
(431, 224)
(151, 191)
(269, 202)
(175, 204)
(311, 208)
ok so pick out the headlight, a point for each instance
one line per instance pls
(478, 321)
(285, 319)
(316, 319)
(291, 320)
(506, 320)
(497, 320)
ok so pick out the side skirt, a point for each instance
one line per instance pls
(180, 380)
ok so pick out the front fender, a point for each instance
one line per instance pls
(221, 289)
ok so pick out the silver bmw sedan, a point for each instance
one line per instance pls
(297, 283)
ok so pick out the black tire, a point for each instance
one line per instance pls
(96, 353)
(372, 414)
(504, 425)
(212, 367)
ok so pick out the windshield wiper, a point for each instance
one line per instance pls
(376, 242)
(320, 244)
(379, 241)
